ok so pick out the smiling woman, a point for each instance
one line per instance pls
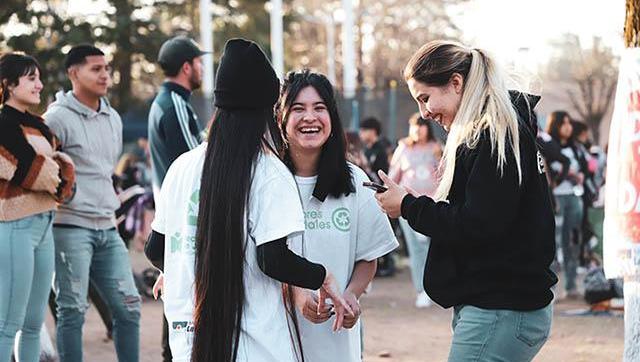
(344, 228)
(33, 177)
(490, 221)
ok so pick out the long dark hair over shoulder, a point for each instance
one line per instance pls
(235, 140)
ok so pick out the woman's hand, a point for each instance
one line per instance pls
(350, 298)
(62, 157)
(307, 304)
(158, 287)
(48, 178)
(330, 290)
(391, 200)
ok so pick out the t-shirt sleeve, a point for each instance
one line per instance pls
(159, 221)
(375, 236)
(275, 210)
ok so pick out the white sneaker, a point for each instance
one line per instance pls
(423, 300)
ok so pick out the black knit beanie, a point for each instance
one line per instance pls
(245, 79)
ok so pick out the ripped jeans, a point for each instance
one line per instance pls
(102, 256)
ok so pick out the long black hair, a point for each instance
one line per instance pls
(555, 122)
(334, 174)
(235, 140)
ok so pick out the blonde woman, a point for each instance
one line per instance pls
(490, 220)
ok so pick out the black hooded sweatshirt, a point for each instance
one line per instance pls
(493, 243)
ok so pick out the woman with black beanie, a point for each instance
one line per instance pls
(227, 209)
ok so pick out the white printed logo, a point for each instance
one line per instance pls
(540, 163)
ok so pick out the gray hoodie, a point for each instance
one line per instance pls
(94, 141)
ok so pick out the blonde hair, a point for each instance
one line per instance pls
(485, 103)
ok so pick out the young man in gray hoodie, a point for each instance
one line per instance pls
(87, 242)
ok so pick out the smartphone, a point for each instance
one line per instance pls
(375, 187)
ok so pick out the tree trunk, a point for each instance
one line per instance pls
(122, 58)
(632, 283)
(632, 24)
(631, 321)
(123, 94)
(594, 126)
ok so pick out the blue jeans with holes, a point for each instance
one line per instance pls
(26, 270)
(493, 335)
(99, 255)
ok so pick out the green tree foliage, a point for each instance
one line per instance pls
(128, 29)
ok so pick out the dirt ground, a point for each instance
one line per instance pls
(396, 329)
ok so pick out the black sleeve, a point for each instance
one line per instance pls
(13, 140)
(491, 201)
(552, 152)
(278, 262)
(382, 161)
(581, 155)
(154, 249)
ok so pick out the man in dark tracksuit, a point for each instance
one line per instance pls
(173, 125)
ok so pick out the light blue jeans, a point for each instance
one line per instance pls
(26, 270)
(102, 256)
(418, 249)
(488, 335)
(570, 208)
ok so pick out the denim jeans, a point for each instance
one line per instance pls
(99, 255)
(26, 270)
(570, 208)
(418, 248)
(487, 335)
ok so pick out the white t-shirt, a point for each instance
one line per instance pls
(338, 233)
(274, 212)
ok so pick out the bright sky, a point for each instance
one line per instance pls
(505, 26)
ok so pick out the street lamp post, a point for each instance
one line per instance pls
(277, 46)
(349, 61)
(206, 41)
(331, 49)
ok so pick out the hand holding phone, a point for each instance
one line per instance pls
(375, 186)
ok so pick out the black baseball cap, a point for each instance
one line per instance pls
(175, 51)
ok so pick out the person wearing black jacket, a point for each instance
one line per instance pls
(589, 166)
(569, 192)
(375, 152)
(490, 221)
(173, 124)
